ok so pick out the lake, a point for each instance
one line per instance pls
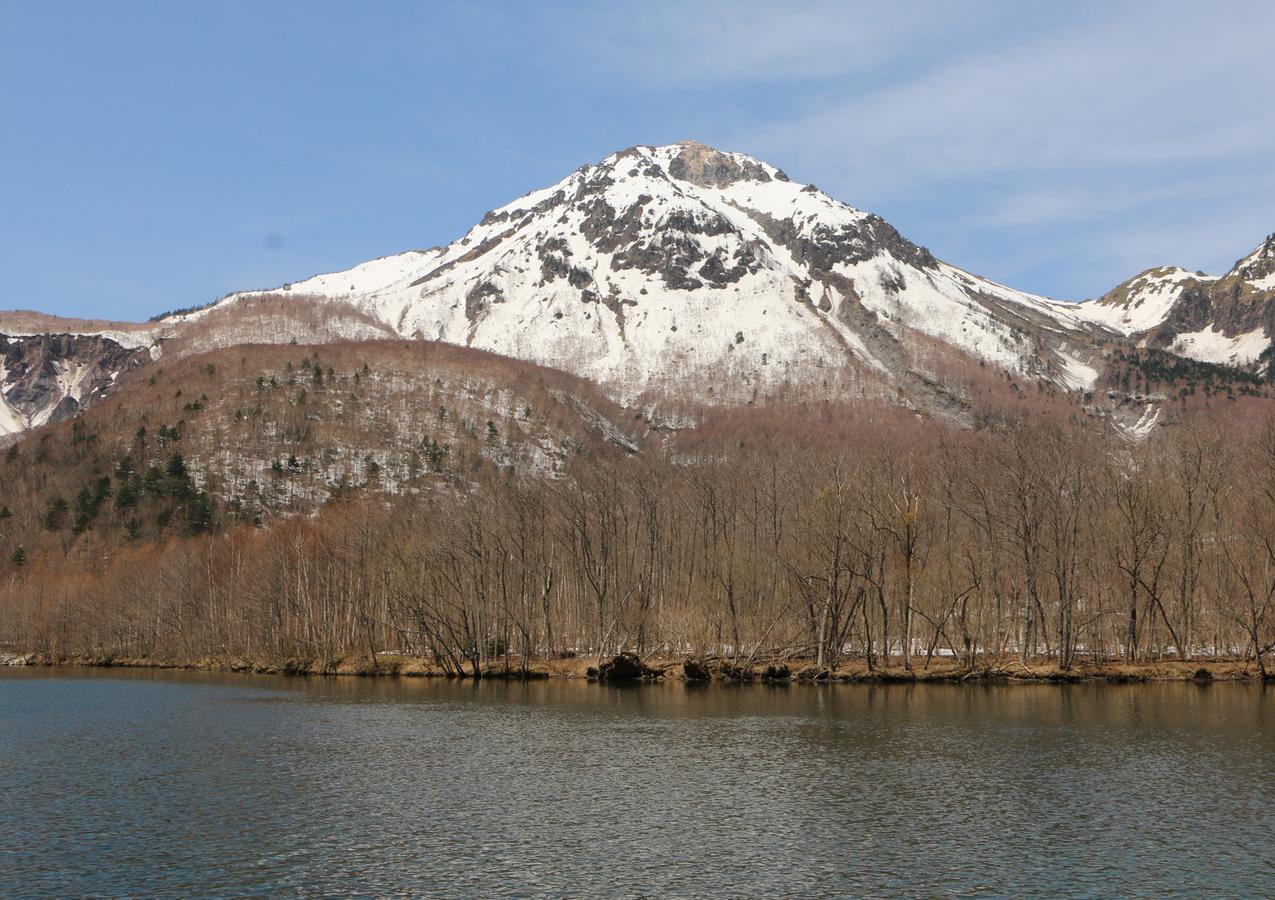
(142, 782)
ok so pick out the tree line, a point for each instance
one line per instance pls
(894, 546)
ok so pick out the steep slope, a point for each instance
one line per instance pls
(663, 267)
(1258, 268)
(50, 377)
(1141, 303)
(1226, 320)
(52, 368)
(250, 433)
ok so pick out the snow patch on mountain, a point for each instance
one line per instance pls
(1077, 375)
(12, 420)
(1212, 346)
(1146, 423)
(368, 277)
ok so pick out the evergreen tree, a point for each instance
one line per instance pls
(84, 510)
(55, 515)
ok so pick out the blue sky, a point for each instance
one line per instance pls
(158, 155)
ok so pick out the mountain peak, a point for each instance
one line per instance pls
(1258, 265)
(697, 163)
(709, 167)
(666, 265)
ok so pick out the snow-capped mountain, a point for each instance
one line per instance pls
(1258, 268)
(687, 268)
(1227, 320)
(684, 271)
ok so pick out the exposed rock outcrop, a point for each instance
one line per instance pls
(51, 377)
(626, 667)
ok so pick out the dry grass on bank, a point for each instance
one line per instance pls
(803, 671)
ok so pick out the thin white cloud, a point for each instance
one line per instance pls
(673, 42)
(1148, 123)
(1128, 91)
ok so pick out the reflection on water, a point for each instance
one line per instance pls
(119, 782)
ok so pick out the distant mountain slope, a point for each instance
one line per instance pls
(245, 434)
(685, 272)
(1227, 320)
(684, 266)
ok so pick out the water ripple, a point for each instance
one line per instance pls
(165, 784)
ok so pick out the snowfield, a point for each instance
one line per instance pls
(683, 264)
(1212, 346)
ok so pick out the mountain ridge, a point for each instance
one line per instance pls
(731, 240)
(660, 271)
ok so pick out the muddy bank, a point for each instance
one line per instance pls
(629, 668)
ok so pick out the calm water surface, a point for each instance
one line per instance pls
(152, 783)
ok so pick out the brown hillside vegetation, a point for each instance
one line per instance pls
(28, 321)
(374, 498)
(254, 431)
(272, 318)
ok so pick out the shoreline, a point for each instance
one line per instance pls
(692, 671)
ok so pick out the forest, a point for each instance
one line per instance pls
(827, 537)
